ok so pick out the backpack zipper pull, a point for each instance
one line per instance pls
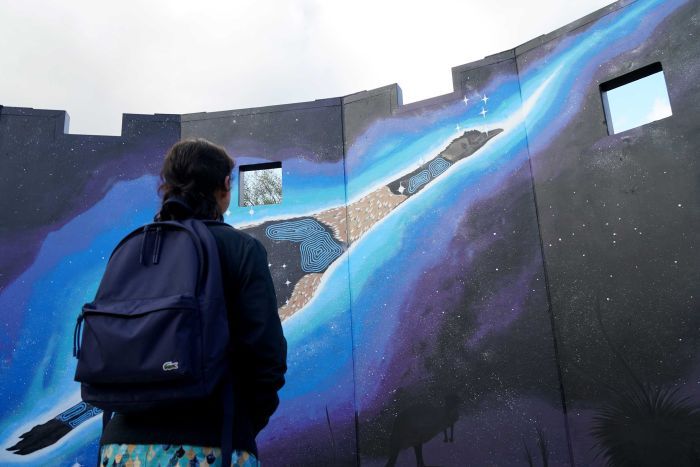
(76, 335)
(144, 239)
(156, 249)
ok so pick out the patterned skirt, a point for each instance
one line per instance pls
(169, 455)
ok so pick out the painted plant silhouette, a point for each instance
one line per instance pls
(542, 447)
(644, 425)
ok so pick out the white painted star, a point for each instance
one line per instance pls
(284, 266)
(287, 283)
(401, 188)
(269, 265)
(465, 100)
(483, 112)
(485, 99)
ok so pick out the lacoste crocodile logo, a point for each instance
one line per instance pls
(168, 366)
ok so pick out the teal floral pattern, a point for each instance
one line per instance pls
(169, 455)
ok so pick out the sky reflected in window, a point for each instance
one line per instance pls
(637, 103)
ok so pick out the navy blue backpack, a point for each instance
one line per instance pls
(157, 331)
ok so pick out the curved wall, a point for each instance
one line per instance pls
(495, 280)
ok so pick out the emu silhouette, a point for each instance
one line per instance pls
(419, 423)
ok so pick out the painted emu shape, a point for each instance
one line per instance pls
(418, 424)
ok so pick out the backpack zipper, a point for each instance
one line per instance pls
(144, 241)
(76, 335)
(156, 249)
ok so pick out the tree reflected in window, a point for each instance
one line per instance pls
(260, 184)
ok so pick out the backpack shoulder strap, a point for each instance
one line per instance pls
(213, 222)
(227, 422)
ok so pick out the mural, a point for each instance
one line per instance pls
(461, 335)
(482, 278)
(67, 200)
(620, 241)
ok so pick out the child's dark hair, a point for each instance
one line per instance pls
(194, 170)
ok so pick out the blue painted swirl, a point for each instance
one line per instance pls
(438, 166)
(72, 412)
(418, 180)
(86, 416)
(318, 249)
(295, 231)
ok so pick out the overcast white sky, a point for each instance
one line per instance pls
(98, 59)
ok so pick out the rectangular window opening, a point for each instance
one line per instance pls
(260, 184)
(635, 99)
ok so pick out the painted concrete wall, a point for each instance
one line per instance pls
(306, 240)
(624, 278)
(66, 201)
(486, 274)
(462, 334)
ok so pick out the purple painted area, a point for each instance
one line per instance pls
(494, 431)
(472, 298)
(503, 308)
(334, 442)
